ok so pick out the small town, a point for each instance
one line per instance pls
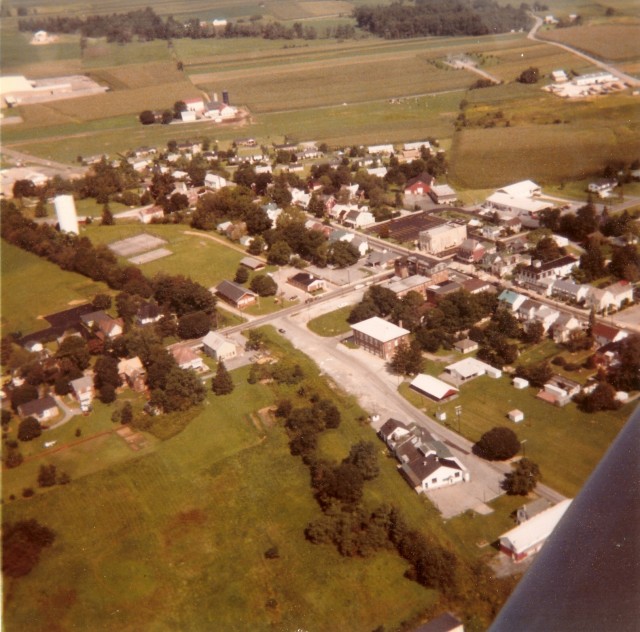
(336, 365)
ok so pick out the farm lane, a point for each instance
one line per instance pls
(471, 68)
(533, 35)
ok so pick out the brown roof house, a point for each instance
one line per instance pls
(307, 282)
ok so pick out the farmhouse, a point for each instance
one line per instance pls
(379, 337)
(528, 538)
(441, 238)
(433, 388)
(307, 282)
(133, 374)
(235, 294)
(42, 409)
(219, 347)
(194, 104)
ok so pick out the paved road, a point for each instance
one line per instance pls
(533, 35)
(64, 169)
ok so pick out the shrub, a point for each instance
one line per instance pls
(29, 429)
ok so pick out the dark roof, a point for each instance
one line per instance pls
(148, 311)
(232, 291)
(304, 278)
(37, 406)
(551, 265)
(390, 426)
(424, 177)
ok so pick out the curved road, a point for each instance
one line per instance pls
(532, 35)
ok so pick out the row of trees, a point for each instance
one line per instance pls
(439, 17)
(146, 25)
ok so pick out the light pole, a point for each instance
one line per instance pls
(524, 451)
(458, 415)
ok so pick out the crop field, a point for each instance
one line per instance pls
(187, 513)
(613, 42)
(33, 287)
(138, 75)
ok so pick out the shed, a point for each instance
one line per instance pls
(516, 416)
(433, 388)
(520, 383)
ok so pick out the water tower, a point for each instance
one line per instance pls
(66, 213)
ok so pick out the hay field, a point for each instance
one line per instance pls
(320, 8)
(138, 75)
(613, 42)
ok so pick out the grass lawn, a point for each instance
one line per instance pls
(33, 287)
(566, 443)
(204, 260)
(196, 515)
(331, 324)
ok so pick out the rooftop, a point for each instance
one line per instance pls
(380, 329)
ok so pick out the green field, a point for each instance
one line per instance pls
(331, 324)
(174, 538)
(33, 287)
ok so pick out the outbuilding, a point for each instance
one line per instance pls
(516, 416)
(433, 388)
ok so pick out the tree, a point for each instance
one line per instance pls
(523, 479)
(147, 117)
(342, 254)
(101, 302)
(498, 444)
(178, 108)
(29, 429)
(23, 394)
(533, 332)
(74, 348)
(126, 414)
(626, 376)
(106, 372)
(263, 285)
(364, 456)
(194, 325)
(407, 359)
(242, 275)
(107, 393)
(22, 543)
(107, 216)
(603, 397)
(47, 475)
(222, 384)
(280, 253)
(530, 75)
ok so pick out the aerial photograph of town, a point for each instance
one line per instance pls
(320, 315)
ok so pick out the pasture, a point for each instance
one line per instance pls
(33, 287)
(178, 535)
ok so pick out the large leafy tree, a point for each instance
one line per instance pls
(22, 543)
(498, 444)
(29, 429)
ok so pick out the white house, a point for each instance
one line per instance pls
(194, 105)
(219, 347)
(380, 149)
(393, 431)
(215, 182)
(359, 219)
(83, 391)
(147, 214)
(186, 357)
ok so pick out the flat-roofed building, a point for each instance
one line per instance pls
(379, 336)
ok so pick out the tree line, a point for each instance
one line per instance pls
(146, 25)
(440, 17)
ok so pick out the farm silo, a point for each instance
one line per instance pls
(66, 213)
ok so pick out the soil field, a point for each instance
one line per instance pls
(613, 42)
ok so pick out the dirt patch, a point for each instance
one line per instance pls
(267, 416)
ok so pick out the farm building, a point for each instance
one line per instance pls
(235, 294)
(419, 185)
(520, 383)
(433, 388)
(442, 194)
(148, 214)
(441, 238)
(516, 416)
(528, 538)
(42, 409)
(252, 264)
(219, 347)
(466, 346)
(379, 337)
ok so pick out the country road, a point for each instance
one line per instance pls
(533, 35)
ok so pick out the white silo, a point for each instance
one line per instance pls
(66, 213)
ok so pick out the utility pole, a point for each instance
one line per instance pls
(524, 451)
(458, 415)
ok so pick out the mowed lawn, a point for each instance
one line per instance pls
(33, 287)
(566, 443)
(198, 257)
(176, 539)
(331, 324)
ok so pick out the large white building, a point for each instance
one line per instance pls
(441, 238)
(66, 213)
